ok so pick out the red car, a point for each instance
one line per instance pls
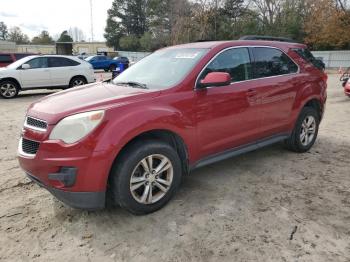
(8, 58)
(347, 88)
(181, 108)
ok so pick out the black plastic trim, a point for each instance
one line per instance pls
(79, 200)
(239, 151)
(67, 176)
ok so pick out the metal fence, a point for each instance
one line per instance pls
(334, 59)
(133, 56)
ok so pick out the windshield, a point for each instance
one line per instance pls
(162, 69)
(19, 62)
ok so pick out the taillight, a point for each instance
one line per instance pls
(325, 77)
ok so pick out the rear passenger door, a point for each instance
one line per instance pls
(227, 116)
(62, 70)
(277, 82)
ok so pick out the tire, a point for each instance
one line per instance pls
(112, 68)
(8, 89)
(129, 178)
(305, 132)
(77, 81)
(106, 70)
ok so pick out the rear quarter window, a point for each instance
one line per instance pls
(5, 59)
(309, 57)
(272, 62)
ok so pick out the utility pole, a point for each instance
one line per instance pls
(215, 16)
(92, 22)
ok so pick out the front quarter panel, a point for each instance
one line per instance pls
(127, 122)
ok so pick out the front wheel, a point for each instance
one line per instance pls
(305, 132)
(145, 177)
(8, 89)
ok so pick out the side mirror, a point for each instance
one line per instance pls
(215, 79)
(25, 66)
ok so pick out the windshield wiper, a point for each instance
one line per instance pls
(133, 84)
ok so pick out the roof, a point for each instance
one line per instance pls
(224, 44)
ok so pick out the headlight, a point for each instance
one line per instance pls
(73, 128)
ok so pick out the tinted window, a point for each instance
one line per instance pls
(101, 58)
(62, 62)
(40, 62)
(272, 62)
(308, 57)
(20, 56)
(235, 61)
(5, 59)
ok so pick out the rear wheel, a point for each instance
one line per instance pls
(145, 177)
(305, 132)
(77, 81)
(112, 68)
(8, 89)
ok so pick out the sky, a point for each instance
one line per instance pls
(34, 16)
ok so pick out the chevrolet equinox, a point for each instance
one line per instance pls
(178, 109)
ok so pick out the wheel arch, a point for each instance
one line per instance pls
(13, 80)
(316, 104)
(170, 137)
(76, 76)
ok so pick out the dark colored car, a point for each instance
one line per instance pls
(178, 109)
(8, 58)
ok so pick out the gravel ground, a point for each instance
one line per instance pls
(268, 205)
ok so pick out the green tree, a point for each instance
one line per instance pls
(3, 31)
(16, 35)
(126, 18)
(43, 39)
(130, 43)
(65, 37)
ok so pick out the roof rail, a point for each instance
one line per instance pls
(267, 38)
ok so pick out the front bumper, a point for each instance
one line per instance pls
(76, 174)
(81, 200)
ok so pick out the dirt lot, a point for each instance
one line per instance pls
(269, 205)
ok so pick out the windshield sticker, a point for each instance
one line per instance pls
(187, 55)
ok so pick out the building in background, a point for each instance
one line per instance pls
(36, 49)
(6, 46)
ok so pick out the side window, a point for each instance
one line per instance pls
(272, 62)
(234, 61)
(102, 58)
(5, 59)
(40, 62)
(61, 62)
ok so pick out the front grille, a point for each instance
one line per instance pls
(30, 147)
(36, 123)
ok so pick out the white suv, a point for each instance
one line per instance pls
(44, 71)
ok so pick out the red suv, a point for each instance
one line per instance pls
(181, 108)
(8, 58)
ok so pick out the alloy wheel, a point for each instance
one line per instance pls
(308, 130)
(8, 90)
(78, 82)
(151, 179)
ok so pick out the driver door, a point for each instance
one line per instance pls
(228, 116)
(38, 75)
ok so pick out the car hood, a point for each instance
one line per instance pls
(90, 97)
